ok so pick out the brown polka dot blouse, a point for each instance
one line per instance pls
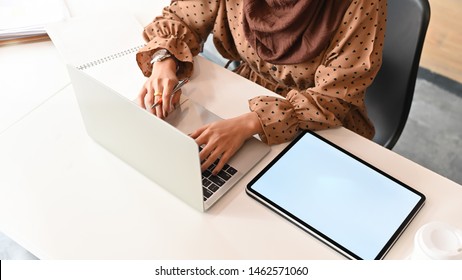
(327, 91)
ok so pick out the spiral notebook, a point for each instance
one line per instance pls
(104, 50)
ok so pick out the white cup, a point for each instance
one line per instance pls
(437, 241)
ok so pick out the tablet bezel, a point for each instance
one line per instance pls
(315, 232)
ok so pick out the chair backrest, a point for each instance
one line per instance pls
(389, 98)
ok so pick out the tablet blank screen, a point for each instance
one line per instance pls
(337, 195)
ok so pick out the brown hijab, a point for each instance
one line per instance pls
(291, 31)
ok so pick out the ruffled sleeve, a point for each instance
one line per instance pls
(181, 29)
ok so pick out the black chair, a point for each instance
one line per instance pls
(389, 98)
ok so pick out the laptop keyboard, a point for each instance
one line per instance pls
(212, 183)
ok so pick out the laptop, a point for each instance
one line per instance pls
(160, 149)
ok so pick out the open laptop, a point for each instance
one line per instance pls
(160, 150)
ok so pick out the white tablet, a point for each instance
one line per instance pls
(355, 208)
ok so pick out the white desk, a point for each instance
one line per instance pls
(64, 197)
(30, 73)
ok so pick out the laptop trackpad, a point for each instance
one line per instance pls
(190, 116)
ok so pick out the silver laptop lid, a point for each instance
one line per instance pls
(160, 150)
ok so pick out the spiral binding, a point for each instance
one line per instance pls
(109, 57)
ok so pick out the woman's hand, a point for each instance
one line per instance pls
(223, 138)
(160, 85)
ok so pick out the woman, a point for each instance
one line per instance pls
(318, 55)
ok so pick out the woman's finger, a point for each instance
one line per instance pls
(168, 86)
(149, 98)
(158, 109)
(140, 97)
(211, 158)
(225, 157)
(195, 135)
(176, 100)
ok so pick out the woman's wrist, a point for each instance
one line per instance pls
(160, 55)
(252, 123)
(168, 64)
(163, 55)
